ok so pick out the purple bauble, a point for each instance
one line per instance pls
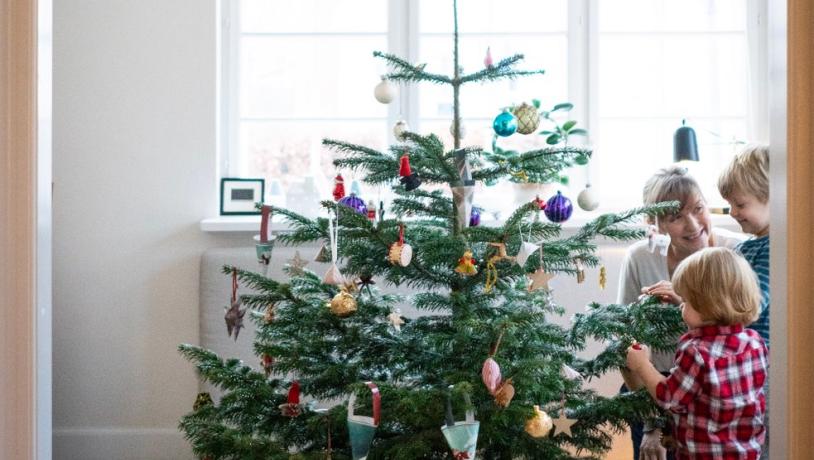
(474, 217)
(558, 208)
(353, 201)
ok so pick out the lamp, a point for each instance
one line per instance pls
(685, 146)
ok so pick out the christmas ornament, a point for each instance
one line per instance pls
(562, 424)
(466, 265)
(580, 270)
(384, 92)
(568, 373)
(490, 374)
(409, 179)
(558, 208)
(333, 275)
(603, 277)
(323, 255)
(540, 203)
(462, 437)
(339, 187)
(528, 119)
(587, 199)
(474, 217)
(505, 124)
(355, 188)
(203, 399)
(343, 304)
(365, 281)
(487, 61)
(581, 159)
(504, 393)
(234, 315)
(354, 202)
(657, 241)
(539, 425)
(371, 211)
(292, 408)
(266, 361)
(461, 129)
(399, 129)
(268, 318)
(526, 250)
(539, 280)
(265, 240)
(491, 268)
(363, 428)
(396, 320)
(463, 191)
(297, 264)
(400, 253)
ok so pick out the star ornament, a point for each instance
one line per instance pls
(234, 318)
(396, 320)
(297, 264)
(563, 424)
(539, 280)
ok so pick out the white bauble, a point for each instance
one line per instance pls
(385, 92)
(461, 127)
(399, 128)
(587, 199)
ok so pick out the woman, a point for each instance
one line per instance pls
(648, 272)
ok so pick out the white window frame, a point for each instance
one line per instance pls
(403, 38)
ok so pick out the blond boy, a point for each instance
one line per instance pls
(715, 389)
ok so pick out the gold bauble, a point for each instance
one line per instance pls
(343, 304)
(504, 393)
(527, 118)
(539, 426)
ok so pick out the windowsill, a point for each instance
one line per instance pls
(246, 224)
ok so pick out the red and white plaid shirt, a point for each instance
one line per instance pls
(715, 392)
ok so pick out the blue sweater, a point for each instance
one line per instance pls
(756, 252)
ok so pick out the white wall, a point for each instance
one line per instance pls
(134, 173)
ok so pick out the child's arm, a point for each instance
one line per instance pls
(638, 360)
(676, 391)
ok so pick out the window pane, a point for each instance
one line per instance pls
(494, 16)
(671, 15)
(310, 76)
(313, 16)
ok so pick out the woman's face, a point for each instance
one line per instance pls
(689, 229)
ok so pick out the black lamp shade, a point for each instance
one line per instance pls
(685, 147)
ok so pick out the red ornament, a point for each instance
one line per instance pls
(371, 210)
(404, 167)
(540, 203)
(487, 61)
(294, 393)
(339, 187)
(636, 346)
(267, 361)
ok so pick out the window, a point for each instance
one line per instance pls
(294, 73)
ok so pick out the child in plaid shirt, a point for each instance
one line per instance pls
(715, 389)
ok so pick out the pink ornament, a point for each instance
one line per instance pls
(487, 61)
(491, 375)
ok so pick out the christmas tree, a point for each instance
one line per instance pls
(483, 345)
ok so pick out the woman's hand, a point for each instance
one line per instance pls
(651, 448)
(664, 291)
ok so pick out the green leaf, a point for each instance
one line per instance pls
(546, 133)
(536, 103)
(564, 106)
(568, 125)
(578, 132)
(564, 180)
(553, 139)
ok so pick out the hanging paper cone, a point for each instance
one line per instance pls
(265, 240)
(462, 437)
(362, 428)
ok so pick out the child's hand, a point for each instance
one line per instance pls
(638, 355)
(664, 291)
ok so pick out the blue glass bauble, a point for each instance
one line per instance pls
(354, 202)
(558, 208)
(474, 217)
(505, 124)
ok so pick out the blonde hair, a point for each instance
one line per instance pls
(720, 285)
(747, 173)
(671, 184)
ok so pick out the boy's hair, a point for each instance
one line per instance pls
(671, 184)
(747, 173)
(720, 285)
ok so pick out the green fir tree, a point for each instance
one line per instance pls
(437, 356)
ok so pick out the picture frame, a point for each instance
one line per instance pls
(238, 196)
